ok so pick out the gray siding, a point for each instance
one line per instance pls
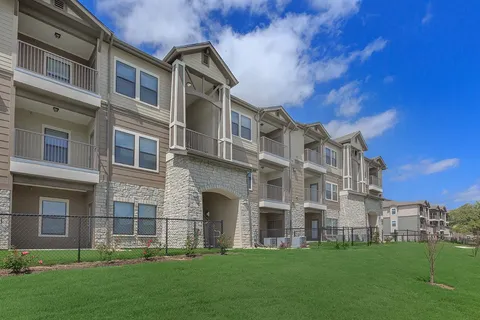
(330, 177)
(387, 226)
(6, 104)
(408, 223)
(8, 33)
(194, 60)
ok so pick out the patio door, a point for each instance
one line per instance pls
(55, 145)
(315, 225)
(314, 192)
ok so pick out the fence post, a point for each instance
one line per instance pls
(79, 237)
(221, 227)
(321, 235)
(382, 235)
(407, 236)
(352, 237)
(343, 235)
(166, 236)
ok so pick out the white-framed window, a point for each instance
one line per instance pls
(241, 126)
(394, 211)
(147, 222)
(53, 217)
(331, 226)
(331, 157)
(394, 223)
(136, 83)
(135, 150)
(123, 218)
(331, 191)
(58, 68)
(55, 144)
(250, 181)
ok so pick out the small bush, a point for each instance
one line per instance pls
(304, 245)
(224, 242)
(337, 245)
(345, 245)
(106, 251)
(283, 245)
(376, 237)
(151, 249)
(18, 262)
(388, 239)
(191, 243)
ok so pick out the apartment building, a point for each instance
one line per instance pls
(91, 126)
(418, 216)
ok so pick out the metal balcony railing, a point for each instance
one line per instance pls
(275, 193)
(41, 147)
(272, 146)
(313, 156)
(53, 66)
(313, 195)
(202, 143)
(376, 181)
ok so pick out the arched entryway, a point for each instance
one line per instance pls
(221, 205)
(373, 219)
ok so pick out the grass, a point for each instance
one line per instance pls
(377, 282)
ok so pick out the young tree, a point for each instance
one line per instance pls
(432, 249)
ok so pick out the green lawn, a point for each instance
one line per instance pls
(377, 282)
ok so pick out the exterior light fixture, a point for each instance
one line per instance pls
(55, 109)
(57, 35)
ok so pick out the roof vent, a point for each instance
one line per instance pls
(59, 4)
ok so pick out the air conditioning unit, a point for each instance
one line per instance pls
(297, 242)
(270, 242)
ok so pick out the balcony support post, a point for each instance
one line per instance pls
(226, 130)
(177, 107)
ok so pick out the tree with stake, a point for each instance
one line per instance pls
(432, 249)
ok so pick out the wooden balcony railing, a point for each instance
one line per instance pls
(202, 143)
(271, 192)
(313, 156)
(313, 195)
(375, 181)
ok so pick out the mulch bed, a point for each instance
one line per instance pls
(96, 264)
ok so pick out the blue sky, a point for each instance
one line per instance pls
(404, 72)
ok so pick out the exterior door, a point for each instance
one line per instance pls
(314, 229)
(314, 192)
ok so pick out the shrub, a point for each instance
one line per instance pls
(224, 242)
(17, 261)
(388, 239)
(191, 243)
(304, 245)
(283, 245)
(337, 245)
(151, 249)
(345, 245)
(376, 237)
(106, 251)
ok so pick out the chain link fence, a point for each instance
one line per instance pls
(57, 239)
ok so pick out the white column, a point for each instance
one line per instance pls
(347, 168)
(177, 107)
(226, 132)
(363, 185)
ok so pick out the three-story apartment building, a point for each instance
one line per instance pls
(91, 126)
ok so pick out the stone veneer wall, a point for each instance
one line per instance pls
(125, 192)
(187, 178)
(374, 206)
(352, 210)
(5, 221)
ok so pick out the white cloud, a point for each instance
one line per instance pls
(428, 15)
(275, 62)
(388, 79)
(425, 167)
(444, 192)
(469, 195)
(347, 98)
(371, 127)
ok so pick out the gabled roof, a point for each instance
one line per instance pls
(314, 125)
(439, 207)
(348, 138)
(85, 14)
(198, 47)
(379, 161)
(280, 110)
(391, 203)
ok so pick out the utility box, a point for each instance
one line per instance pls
(297, 242)
(270, 242)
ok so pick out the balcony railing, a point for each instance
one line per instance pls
(376, 181)
(41, 147)
(313, 195)
(272, 146)
(271, 192)
(202, 143)
(313, 156)
(53, 66)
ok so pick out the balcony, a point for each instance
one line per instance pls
(375, 183)
(313, 161)
(202, 143)
(56, 75)
(273, 152)
(54, 157)
(273, 197)
(314, 199)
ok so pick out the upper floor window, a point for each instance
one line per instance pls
(135, 83)
(135, 150)
(331, 157)
(241, 126)
(394, 211)
(394, 223)
(249, 181)
(331, 191)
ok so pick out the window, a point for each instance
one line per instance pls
(249, 181)
(123, 218)
(135, 150)
(55, 145)
(241, 126)
(205, 59)
(58, 68)
(147, 219)
(394, 223)
(394, 211)
(126, 77)
(235, 124)
(331, 157)
(332, 226)
(124, 148)
(54, 214)
(331, 192)
(148, 89)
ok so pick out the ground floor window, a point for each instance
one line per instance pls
(331, 226)
(54, 214)
(123, 218)
(147, 215)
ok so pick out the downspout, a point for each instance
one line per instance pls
(109, 132)
(257, 120)
(290, 174)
